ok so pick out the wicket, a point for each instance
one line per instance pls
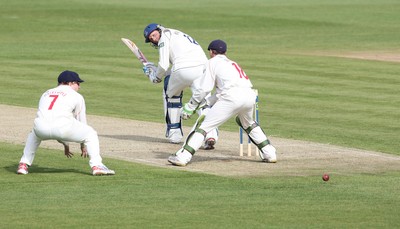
(256, 118)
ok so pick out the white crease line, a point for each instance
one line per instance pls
(342, 150)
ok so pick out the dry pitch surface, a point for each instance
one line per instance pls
(144, 142)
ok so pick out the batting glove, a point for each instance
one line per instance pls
(148, 68)
(150, 71)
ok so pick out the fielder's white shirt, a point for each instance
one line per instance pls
(62, 103)
(178, 49)
(223, 74)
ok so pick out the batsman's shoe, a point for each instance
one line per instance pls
(102, 170)
(268, 154)
(175, 136)
(209, 144)
(181, 158)
(22, 169)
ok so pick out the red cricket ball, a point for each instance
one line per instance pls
(325, 177)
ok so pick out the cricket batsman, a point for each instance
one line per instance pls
(188, 64)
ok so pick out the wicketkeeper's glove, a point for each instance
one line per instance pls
(188, 110)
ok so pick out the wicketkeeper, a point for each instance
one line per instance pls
(233, 96)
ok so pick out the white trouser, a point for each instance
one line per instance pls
(183, 78)
(178, 80)
(211, 134)
(67, 130)
(237, 101)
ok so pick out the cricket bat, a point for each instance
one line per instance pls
(132, 46)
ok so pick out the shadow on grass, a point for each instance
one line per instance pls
(198, 157)
(135, 138)
(40, 169)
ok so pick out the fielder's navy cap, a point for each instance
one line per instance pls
(69, 76)
(217, 45)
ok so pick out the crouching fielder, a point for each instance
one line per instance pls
(61, 116)
(233, 96)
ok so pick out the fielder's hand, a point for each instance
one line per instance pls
(67, 152)
(84, 153)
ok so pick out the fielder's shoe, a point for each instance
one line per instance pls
(175, 136)
(181, 158)
(268, 154)
(209, 144)
(22, 169)
(102, 170)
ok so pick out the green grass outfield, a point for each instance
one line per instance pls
(287, 48)
(61, 193)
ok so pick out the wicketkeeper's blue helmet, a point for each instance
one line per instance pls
(218, 45)
(150, 28)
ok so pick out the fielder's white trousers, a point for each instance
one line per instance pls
(236, 101)
(65, 130)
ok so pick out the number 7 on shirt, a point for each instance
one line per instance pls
(55, 97)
